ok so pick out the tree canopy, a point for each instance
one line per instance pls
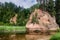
(8, 10)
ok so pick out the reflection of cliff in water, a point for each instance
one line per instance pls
(37, 37)
(24, 37)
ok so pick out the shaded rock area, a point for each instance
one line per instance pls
(41, 21)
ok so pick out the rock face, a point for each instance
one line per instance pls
(41, 20)
(13, 19)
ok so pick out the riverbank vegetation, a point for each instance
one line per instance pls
(12, 29)
(56, 36)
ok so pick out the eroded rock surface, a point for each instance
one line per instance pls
(13, 19)
(44, 21)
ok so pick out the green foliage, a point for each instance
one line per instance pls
(36, 6)
(23, 17)
(34, 19)
(56, 36)
(12, 29)
(50, 8)
(8, 10)
(57, 7)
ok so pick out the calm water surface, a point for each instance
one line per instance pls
(24, 37)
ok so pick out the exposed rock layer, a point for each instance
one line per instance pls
(13, 20)
(45, 21)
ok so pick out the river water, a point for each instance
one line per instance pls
(25, 37)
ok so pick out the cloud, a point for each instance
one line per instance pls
(24, 3)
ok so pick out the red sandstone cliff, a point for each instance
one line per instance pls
(46, 22)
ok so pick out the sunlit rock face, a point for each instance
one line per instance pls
(44, 21)
(13, 19)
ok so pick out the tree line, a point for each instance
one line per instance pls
(8, 10)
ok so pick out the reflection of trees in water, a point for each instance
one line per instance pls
(12, 37)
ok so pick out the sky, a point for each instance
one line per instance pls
(22, 3)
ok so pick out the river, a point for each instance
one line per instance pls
(24, 37)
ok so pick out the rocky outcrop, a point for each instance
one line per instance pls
(13, 19)
(41, 20)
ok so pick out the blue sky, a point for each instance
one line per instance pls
(24, 3)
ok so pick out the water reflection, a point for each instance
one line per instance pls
(24, 37)
(12, 37)
(37, 37)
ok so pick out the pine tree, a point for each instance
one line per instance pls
(57, 5)
(50, 8)
(58, 11)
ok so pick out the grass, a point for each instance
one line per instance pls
(56, 36)
(13, 29)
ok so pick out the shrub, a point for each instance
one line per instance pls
(56, 36)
